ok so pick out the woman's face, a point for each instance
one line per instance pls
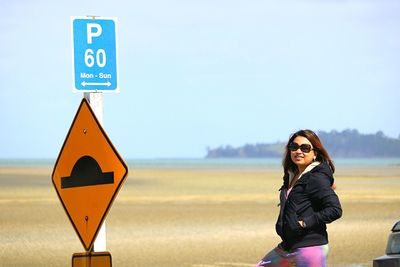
(301, 158)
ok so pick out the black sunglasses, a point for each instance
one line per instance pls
(305, 148)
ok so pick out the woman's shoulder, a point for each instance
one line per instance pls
(322, 174)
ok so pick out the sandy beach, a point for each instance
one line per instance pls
(207, 217)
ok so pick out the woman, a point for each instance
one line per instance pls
(307, 204)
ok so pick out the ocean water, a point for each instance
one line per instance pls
(210, 163)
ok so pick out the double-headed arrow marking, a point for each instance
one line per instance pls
(102, 84)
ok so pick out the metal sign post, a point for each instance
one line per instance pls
(96, 103)
(95, 70)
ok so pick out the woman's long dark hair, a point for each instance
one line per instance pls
(322, 154)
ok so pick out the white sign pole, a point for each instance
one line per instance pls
(96, 103)
(95, 71)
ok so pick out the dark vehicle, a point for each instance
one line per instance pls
(392, 257)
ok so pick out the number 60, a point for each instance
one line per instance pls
(100, 59)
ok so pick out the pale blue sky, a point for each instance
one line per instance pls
(197, 74)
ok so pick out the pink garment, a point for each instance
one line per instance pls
(314, 256)
(288, 192)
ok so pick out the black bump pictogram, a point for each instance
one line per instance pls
(87, 172)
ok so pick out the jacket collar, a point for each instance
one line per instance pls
(308, 169)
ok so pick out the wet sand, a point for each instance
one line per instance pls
(192, 217)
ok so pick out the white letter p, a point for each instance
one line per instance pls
(91, 33)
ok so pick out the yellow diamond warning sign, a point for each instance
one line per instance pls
(88, 174)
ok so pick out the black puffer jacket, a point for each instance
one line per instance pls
(311, 200)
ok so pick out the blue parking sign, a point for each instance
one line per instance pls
(95, 54)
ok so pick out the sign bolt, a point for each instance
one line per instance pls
(84, 130)
(86, 218)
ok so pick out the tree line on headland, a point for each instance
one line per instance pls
(346, 144)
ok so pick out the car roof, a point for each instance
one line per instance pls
(396, 227)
